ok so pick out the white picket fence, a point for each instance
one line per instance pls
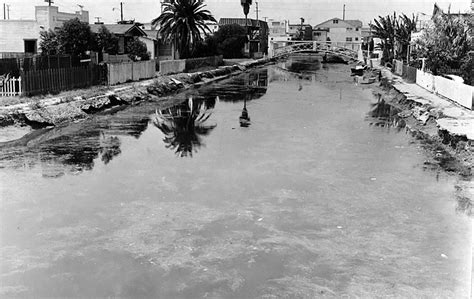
(10, 87)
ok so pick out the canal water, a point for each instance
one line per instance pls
(275, 183)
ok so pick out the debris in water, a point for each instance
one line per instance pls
(339, 227)
(260, 219)
(373, 179)
(444, 256)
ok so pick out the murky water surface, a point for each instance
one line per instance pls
(267, 185)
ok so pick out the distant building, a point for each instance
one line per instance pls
(300, 31)
(258, 33)
(213, 27)
(277, 28)
(124, 32)
(22, 36)
(320, 34)
(343, 31)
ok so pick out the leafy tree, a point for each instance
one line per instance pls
(137, 50)
(230, 40)
(49, 43)
(106, 41)
(446, 45)
(182, 22)
(206, 48)
(75, 38)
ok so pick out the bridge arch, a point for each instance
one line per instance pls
(342, 50)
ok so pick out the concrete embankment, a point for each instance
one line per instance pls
(443, 128)
(62, 110)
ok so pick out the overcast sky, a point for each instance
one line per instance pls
(314, 11)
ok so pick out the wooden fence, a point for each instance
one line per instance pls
(57, 80)
(130, 71)
(10, 87)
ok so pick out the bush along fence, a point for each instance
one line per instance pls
(456, 91)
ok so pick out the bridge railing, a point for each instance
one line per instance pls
(346, 49)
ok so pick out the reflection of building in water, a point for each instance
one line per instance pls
(249, 86)
(185, 124)
(278, 73)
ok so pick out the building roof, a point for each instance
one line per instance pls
(152, 34)
(120, 29)
(241, 22)
(353, 23)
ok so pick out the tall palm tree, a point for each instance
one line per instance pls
(182, 22)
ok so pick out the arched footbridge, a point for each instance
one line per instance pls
(346, 50)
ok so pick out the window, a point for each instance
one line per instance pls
(275, 23)
(357, 29)
(317, 34)
(356, 38)
(30, 46)
(348, 39)
(335, 21)
(349, 29)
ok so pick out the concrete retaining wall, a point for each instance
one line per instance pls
(184, 65)
(458, 92)
(172, 66)
(195, 63)
(130, 71)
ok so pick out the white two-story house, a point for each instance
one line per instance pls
(338, 31)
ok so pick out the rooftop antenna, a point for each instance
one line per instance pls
(81, 7)
(49, 2)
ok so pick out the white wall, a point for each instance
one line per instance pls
(13, 33)
(150, 45)
(458, 92)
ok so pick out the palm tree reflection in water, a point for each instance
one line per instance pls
(184, 125)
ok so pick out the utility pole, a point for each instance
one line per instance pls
(49, 2)
(256, 9)
(98, 20)
(121, 11)
(344, 12)
(4, 11)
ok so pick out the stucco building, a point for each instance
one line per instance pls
(343, 31)
(21, 37)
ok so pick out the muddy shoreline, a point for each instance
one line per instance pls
(451, 153)
(63, 110)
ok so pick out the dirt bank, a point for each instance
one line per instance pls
(61, 110)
